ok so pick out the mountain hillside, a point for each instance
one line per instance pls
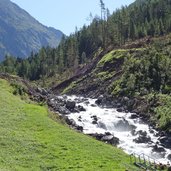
(30, 140)
(20, 33)
(126, 55)
(135, 79)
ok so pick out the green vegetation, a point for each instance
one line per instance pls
(30, 140)
(105, 75)
(139, 20)
(146, 72)
(109, 57)
(163, 112)
(147, 75)
(70, 87)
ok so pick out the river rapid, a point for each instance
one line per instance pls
(134, 135)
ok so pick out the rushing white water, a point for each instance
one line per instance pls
(120, 125)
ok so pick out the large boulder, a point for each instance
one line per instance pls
(97, 136)
(79, 128)
(158, 149)
(133, 116)
(107, 138)
(169, 157)
(110, 139)
(81, 108)
(70, 122)
(142, 137)
(73, 124)
(99, 100)
(62, 110)
(70, 104)
(121, 109)
(95, 119)
(165, 141)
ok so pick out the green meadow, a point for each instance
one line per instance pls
(31, 140)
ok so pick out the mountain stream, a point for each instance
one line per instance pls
(134, 135)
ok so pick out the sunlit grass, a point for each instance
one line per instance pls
(30, 140)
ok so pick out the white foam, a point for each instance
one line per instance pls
(110, 121)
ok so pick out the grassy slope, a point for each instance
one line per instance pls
(30, 140)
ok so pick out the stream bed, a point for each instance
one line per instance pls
(134, 135)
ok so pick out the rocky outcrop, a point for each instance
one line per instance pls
(158, 149)
(142, 137)
(94, 119)
(169, 157)
(70, 105)
(165, 141)
(107, 138)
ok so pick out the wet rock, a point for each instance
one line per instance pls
(94, 122)
(108, 133)
(79, 128)
(62, 110)
(65, 97)
(80, 100)
(86, 102)
(79, 118)
(69, 121)
(142, 133)
(158, 149)
(133, 116)
(162, 134)
(93, 105)
(121, 109)
(125, 99)
(151, 131)
(97, 136)
(99, 100)
(107, 138)
(72, 123)
(94, 117)
(165, 141)
(142, 138)
(133, 132)
(81, 108)
(70, 104)
(169, 157)
(118, 105)
(110, 139)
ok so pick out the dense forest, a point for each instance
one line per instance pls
(141, 19)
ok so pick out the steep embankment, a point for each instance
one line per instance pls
(133, 79)
(30, 140)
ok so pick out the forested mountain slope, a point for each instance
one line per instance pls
(147, 18)
(20, 33)
(136, 40)
(131, 79)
